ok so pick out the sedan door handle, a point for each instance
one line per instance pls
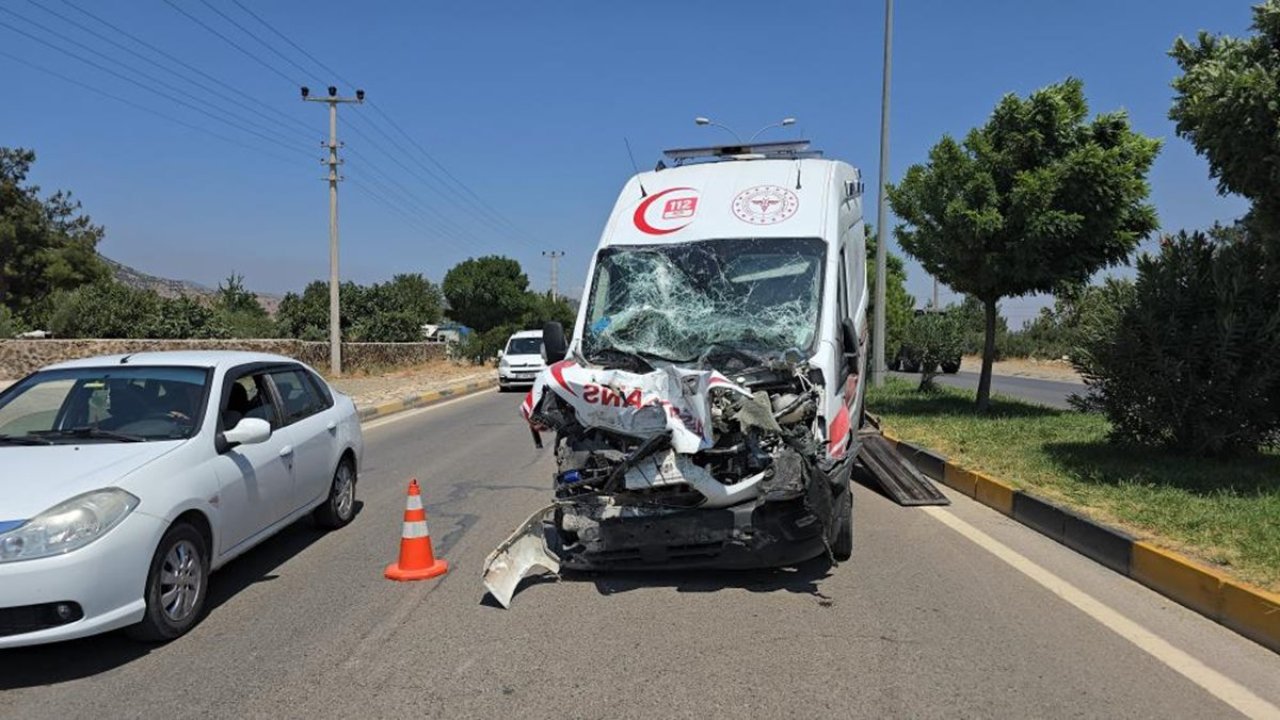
(286, 451)
(333, 425)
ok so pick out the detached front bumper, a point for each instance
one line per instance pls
(627, 537)
(749, 535)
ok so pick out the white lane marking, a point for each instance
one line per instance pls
(405, 415)
(1212, 681)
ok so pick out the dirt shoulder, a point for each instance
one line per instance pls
(1057, 370)
(373, 389)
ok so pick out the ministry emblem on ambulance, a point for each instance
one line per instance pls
(765, 205)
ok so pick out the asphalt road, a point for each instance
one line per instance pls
(954, 612)
(1044, 392)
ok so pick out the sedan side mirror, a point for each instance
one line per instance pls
(249, 431)
(554, 346)
(502, 353)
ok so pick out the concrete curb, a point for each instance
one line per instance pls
(425, 399)
(1248, 610)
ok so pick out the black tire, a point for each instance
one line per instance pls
(173, 608)
(842, 546)
(340, 507)
(951, 367)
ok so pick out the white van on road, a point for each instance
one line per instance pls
(707, 407)
(520, 360)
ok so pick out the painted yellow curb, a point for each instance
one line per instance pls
(1252, 612)
(993, 493)
(959, 479)
(1171, 574)
(388, 408)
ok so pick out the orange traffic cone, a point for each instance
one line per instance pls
(417, 560)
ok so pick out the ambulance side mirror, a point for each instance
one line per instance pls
(849, 338)
(554, 346)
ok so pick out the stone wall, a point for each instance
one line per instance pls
(19, 357)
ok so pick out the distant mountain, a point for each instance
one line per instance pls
(175, 288)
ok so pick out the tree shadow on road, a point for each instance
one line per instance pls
(76, 659)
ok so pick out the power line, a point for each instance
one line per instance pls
(188, 66)
(442, 168)
(418, 205)
(473, 198)
(477, 211)
(132, 81)
(396, 159)
(144, 108)
(293, 44)
(232, 43)
(250, 33)
(228, 98)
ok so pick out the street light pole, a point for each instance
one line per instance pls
(882, 223)
(335, 326)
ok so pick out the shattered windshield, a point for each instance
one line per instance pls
(677, 302)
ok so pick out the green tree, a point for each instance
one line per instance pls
(899, 305)
(46, 245)
(933, 338)
(486, 292)
(105, 309)
(1037, 197)
(239, 311)
(541, 309)
(305, 315)
(1225, 104)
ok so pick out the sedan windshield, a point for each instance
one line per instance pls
(107, 404)
(679, 302)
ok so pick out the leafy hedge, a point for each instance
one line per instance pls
(1192, 360)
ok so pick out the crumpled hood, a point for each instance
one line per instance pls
(35, 478)
(642, 404)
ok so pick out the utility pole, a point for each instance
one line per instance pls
(555, 259)
(335, 327)
(935, 294)
(882, 222)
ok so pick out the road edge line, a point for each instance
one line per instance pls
(1248, 610)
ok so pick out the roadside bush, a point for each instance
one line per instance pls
(103, 310)
(482, 347)
(1191, 361)
(115, 310)
(932, 339)
(8, 325)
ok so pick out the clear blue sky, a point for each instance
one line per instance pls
(527, 104)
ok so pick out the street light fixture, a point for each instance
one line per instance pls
(785, 122)
(782, 123)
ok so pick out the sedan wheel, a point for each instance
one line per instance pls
(177, 585)
(340, 508)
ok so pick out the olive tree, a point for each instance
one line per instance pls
(1037, 197)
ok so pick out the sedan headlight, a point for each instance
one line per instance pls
(503, 363)
(68, 525)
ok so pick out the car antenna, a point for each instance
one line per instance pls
(125, 360)
(635, 167)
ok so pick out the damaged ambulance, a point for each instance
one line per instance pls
(705, 412)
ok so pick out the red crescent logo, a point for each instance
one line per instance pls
(643, 225)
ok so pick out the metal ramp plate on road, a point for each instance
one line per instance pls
(896, 476)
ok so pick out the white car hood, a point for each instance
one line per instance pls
(35, 478)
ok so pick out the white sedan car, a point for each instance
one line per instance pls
(126, 480)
